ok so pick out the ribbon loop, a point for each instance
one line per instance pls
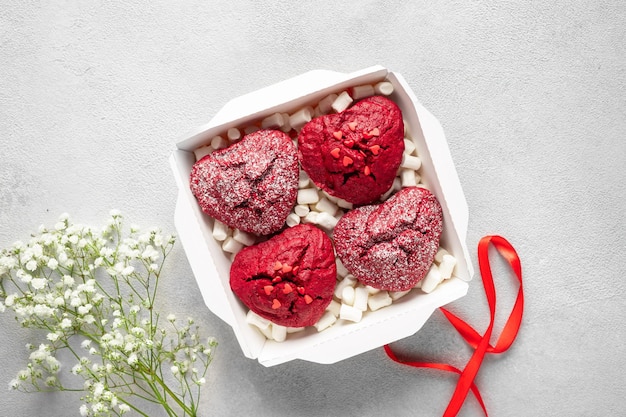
(480, 343)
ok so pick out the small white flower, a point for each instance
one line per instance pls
(77, 369)
(53, 337)
(53, 263)
(10, 300)
(65, 323)
(134, 309)
(85, 343)
(132, 359)
(38, 283)
(14, 384)
(31, 265)
(201, 381)
(171, 317)
(174, 369)
(89, 319)
(115, 213)
(59, 225)
(43, 311)
(124, 408)
(93, 351)
(98, 389)
(128, 270)
(82, 310)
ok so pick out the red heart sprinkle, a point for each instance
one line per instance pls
(375, 132)
(367, 170)
(275, 304)
(286, 268)
(352, 126)
(287, 289)
(268, 289)
(277, 266)
(277, 279)
(347, 161)
(308, 299)
(301, 290)
(338, 135)
(349, 143)
(375, 149)
(335, 152)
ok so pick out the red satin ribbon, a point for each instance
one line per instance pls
(480, 343)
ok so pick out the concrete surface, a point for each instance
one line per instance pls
(532, 96)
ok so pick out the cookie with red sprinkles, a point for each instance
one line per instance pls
(355, 154)
(288, 279)
(251, 185)
(391, 246)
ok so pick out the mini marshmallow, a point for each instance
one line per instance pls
(230, 245)
(407, 177)
(347, 295)
(286, 126)
(439, 255)
(395, 186)
(301, 210)
(202, 152)
(361, 295)
(250, 129)
(219, 142)
(273, 121)
(247, 239)
(411, 162)
(347, 281)
(344, 204)
(334, 307)
(303, 179)
(326, 206)
(409, 146)
(292, 220)
(342, 102)
(325, 104)
(311, 217)
(300, 118)
(446, 267)
(396, 295)
(341, 270)
(233, 134)
(307, 196)
(379, 300)
(267, 332)
(220, 230)
(350, 313)
(362, 91)
(256, 320)
(325, 220)
(294, 329)
(279, 333)
(327, 320)
(372, 290)
(432, 279)
(385, 88)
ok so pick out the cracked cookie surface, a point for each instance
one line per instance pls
(391, 246)
(288, 279)
(355, 154)
(251, 185)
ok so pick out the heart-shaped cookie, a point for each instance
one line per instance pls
(391, 246)
(288, 279)
(251, 185)
(355, 154)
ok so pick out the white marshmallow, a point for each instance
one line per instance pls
(250, 129)
(295, 329)
(292, 220)
(273, 121)
(256, 320)
(344, 204)
(395, 295)
(279, 333)
(407, 177)
(347, 296)
(395, 186)
(362, 91)
(267, 332)
(379, 300)
(247, 239)
(372, 290)
(230, 245)
(286, 126)
(325, 105)
(341, 270)
(334, 307)
(411, 162)
(327, 320)
(439, 255)
(326, 206)
(303, 179)
(219, 142)
(342, 102)
(385, 88)
(347, 281)
(446, 267)
(432, 279)
(361, 294)
(409, 146)
(233, 134)
(220, 230)
(300, 118)
(202, 152)
(307, 196)
(350, 313)
(301, 210)
(325, 220)
(311, 217)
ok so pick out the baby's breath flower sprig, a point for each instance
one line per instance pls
(92, 291)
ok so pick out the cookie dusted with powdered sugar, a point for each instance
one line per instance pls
(251, 185)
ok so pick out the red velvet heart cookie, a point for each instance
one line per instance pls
(251, 185)
(392, 245)
(354, 154)
(288, 279)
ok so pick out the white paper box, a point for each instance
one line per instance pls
(344, 339)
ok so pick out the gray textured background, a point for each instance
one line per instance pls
(532, 96)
